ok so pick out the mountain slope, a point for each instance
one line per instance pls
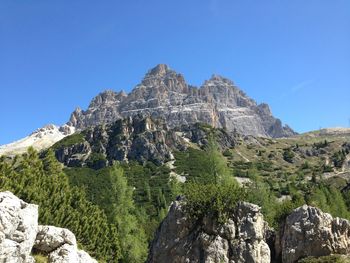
(40, 139)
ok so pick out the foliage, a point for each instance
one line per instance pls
(215, 193)
(40, 258)
(136, 207)
(108, 188)
(69, 140)
(154, 189)
(96, 161)
(215, 200)
(326, 259)
(322, 144)
(338, 158)
(288, 155)
(132, 237)
(42, 182)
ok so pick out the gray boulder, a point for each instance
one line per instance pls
(60, 245)
(242, 239)
(310, 232)
(70, 254)
(49, 238)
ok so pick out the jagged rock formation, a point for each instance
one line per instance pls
(20, 234)
(308, 231)
(133, 138)
(246, 237)
(242, 239)
(163, 93)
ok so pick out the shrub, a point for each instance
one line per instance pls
(288, 155)
(216, 200)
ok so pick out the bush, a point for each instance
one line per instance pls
(288, 155)
(96, 161)
(216, 200)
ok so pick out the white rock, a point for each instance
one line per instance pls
(310, 232)
(19, 233)
(18, 228)
(69, 254)
(50, 238)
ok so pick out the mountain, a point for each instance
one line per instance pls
(163, 93)
(40, 139)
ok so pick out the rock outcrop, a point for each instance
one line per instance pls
(246, 237)
(20, 234)
(242, 239)
(163, 93)
(18, 229)
(134, 138)
(308, 231)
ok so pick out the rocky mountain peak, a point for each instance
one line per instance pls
(164, 94)
(162, 79)
(264, 109)
(218, 80)
(107, 97)
(159, 70)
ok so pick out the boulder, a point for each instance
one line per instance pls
(20, 234)
(50, 238)
(241, 239)
(60, 245)
(70, 254)
(18, 228)
(310, 232)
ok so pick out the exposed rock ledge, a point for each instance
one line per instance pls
(246, 237)
(20, 234)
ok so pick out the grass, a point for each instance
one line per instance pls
(39, 258)
(326, 259)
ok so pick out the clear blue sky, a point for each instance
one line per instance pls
(57, 55)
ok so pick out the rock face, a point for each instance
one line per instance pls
(241, 239)
(163, 93)
(246, 237)
(310, 232)
(20, 234)
(134, 138)
(18, 228)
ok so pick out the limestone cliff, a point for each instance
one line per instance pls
(163, 93)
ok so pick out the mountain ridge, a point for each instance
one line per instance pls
(164, 93)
